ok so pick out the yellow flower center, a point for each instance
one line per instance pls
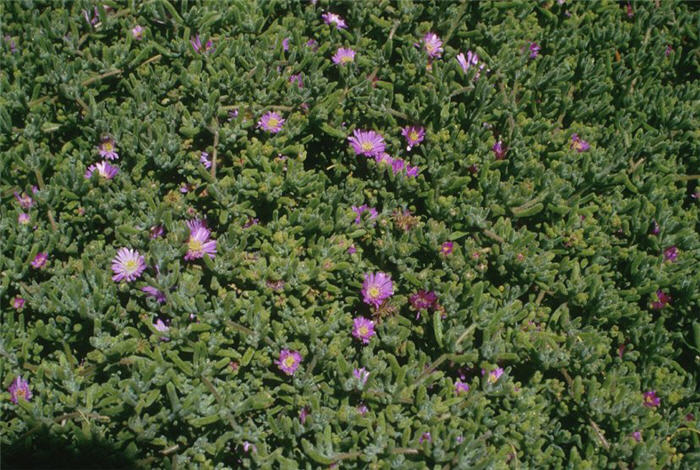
(20, 393)
(272, 122)
(107, 146)
(345, 59)
(363, 330)
(413, 135)
(131, 266)
(374, 292)
(367, 146)
(194, 245)
(289, 361)
(429, 47)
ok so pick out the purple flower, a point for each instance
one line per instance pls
(153, 292)
(160, 326)
(288, 361)
(534, 49)
(362, 409)
(247, 446)
(361, 374)
(425, 437)
(367, 143)
(103, 169)
(285, 44)
(668, 50)
(312, 44)
(579, 144)
(196, 224)
(423, 300)
(23, 218)
(343, 56)
(471, 60)
(199, 244)
(411, 171)
(663, 299)
(637, 436)
(251, 221)
(108, 149)
(363, 329)
(656, 229)
(671, 253)
(127, 265)
(95, 17)
(197, 45)
(40, 260)
(414, 135)
(364, 207)
(19, 388)
(494, 375)
(13, 46)
(651, 400)
(204, 160)
(446, 248)
(377, 288)
(25, 201)
(156, 231)
(352, 249)
(303, 414)
(461, 387)
(397, 165)
(137, 32)
(384, 158)
(18, 302)
(432, 44)
(271, 122)
(297, 78)
(499, 150)
(630, 12)
(332, 18)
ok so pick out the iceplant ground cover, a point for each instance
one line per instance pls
(385, 234)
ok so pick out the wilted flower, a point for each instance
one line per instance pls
(103, 169)
(288, 361)
(363, 329)
(23, 218)
(108, 149)
(25, 201)
(364, 207)
(19, 388)
(137, 32)
(197, 45)
(377, 288)
(534, 49)
(153, 292)
(204, 160)
(446, 248)
(332, 18)
(95, 17)
(199, 244)
(651, 400)
(423, 300)
(499, 150)
(432, 44)
(655, 228)
(367, 143)
(127, 265)
(461, 387)
(405, 220)
(630, 12)
(343, 56)
(663, 299)
(271, 122)
(40, 260)
(251, 221)
(414, 135)
(425, 437)
(671, 253)
(18, 302)
(579, 144)
(156, 231)
(297, 78)
(361, 374)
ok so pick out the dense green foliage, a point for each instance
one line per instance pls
(553, 275)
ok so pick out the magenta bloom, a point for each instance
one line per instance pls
(361, 374)
(343, 56)
(446, 248)
(534, 49)
(156, 231)
(127, 265)
(297, 78)
(137, 32)
(412, 171)
(367, 143)
(671, 253)
(23, 218)
(271, 122)
(425, 437)
(103, 169)
(285, 44)
(377, 288)
(197, 45)
(196, 224)
(362, 409)
(18, 302)
(664, 299)
(432, 44)
(397, 165)
(312, 44)
(364, 207)
(153, 292)
(363, 329)
(414, 135)
(19, 388)
(289, 361)
(303, 414)
(25, 201)
(637, 436)
(40, 260)
(499, 150)
(461, 387)
(332, 18)
(108, 149)
(352, 249)
(248, 447)
(651, 400)
(384, 158)
(95, 17)
(495, 374)
(579, 144)
(204, 160)
(199, 244)
(423, 300)
(160, 326)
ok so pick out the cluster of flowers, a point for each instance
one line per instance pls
(108, 151)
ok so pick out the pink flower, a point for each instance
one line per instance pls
(40, 260)
(377, 288)
(297, 78)
(204, 160)
(446, 248)
(19, 388)
(343, 56)
(363, 329)
(651, 400)
(137, 32)
(288, 361)
(303, 414)
(127, 265)
(285, 44)
(423, 300)
(160, 326)
(384, 158)
(432, 44)
(579, 144)
(24, 200)
(361, 374)
(23, 218)
(663, 300)
(425, 437)
(471, 60)
(499, 150)
(199, 244)
(367, 143)
(671, 253)
(18, 302)
(247, 446)
(461, 387)
(271, 122)
(414, 135)
(534, 49)
(411, 171)
(637, 436)
(352, 249)
(153, 292)
(197, 45)
(494, 375)
(397, 165)
(362, 409)
(107, 149)
(332, 18)
(156, 231)
(364, 207)
(103, 169)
